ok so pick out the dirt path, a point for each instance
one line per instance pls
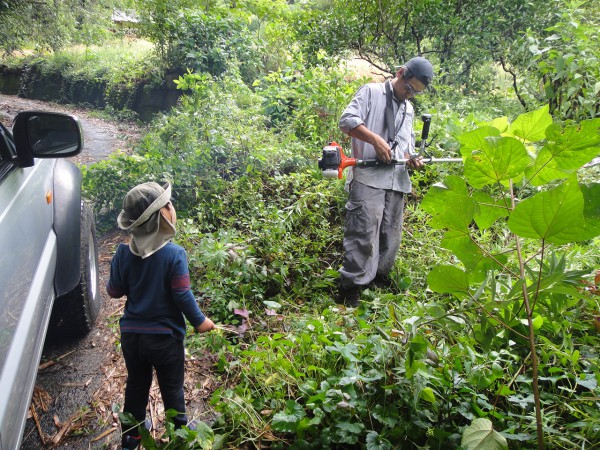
(80, 383)
(101, 137)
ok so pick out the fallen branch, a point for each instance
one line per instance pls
(103, 435)
(54, 361)
(43, 436)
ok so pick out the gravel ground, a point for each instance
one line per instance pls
(79, 383)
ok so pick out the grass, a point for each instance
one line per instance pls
(115, 60)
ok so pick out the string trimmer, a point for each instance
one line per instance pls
(334, 161)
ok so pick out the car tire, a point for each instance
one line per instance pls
(74, 314)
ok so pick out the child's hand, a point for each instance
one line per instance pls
(205, 326)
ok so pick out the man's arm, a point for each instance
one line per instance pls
(382, 148)
(352, 122)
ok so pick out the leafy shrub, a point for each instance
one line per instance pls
(217, 135)
(48, 25)
(307, 102)
(98, 76)
(324, 31)
(522, 284)
(563, 60)
(208, 43)
(265, 239)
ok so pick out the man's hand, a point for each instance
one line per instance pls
(205, 326)
(382, 149)
(415, 162)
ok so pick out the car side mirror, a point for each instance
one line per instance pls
(39, 134)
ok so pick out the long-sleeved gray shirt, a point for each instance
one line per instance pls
(368, 108)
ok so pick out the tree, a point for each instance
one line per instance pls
(564, 60)
(156, 16)
(459, 34)
(52, 24)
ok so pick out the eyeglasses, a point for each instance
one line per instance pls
(411, 89)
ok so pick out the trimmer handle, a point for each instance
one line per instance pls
(425, 132)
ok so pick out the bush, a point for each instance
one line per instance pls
(215, 136)
(212, 44)
(307, 102)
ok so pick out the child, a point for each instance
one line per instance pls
(153, 273)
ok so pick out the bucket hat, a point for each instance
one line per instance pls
(140, 215)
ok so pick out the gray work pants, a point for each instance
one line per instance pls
(372, 235)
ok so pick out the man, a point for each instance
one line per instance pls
(375, 207)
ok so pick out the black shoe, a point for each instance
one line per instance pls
(191, 425)
(382, 281)
(348, 296)
(130, 442)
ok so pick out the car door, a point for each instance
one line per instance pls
(27, 267)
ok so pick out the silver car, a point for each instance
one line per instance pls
(48, 255)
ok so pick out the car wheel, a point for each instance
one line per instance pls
(74, 314)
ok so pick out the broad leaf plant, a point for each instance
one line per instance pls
(521, 180)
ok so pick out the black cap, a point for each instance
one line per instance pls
(421, 69)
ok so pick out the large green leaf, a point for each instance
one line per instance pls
(591, 207)
(532, 126)
(489, 209)
(545, 168)
(480, 435)
(448, 280)
(499, 159)
(475, 261)
(591, 200)
(289, 418)
(460, 243)
(573, 139)
(567, 150)
(501, 123)
(555, 215)
(475, 139)
(449, 204)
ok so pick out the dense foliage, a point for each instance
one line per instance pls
(488, 338)
(264, 243)
(52, 24)
(565, 60)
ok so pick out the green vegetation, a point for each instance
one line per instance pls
(490, 336)
(51, 25)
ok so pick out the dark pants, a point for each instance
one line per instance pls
(164, 353)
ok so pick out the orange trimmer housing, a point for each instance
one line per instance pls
(334, 161)
(344, 160)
